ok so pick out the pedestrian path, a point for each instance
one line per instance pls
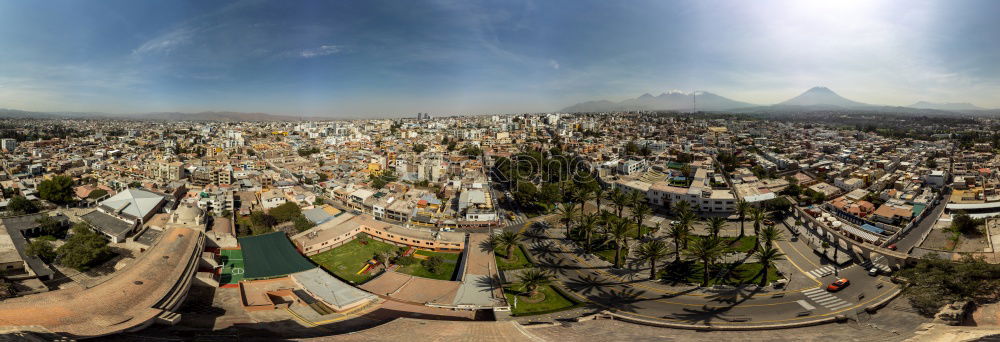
(820, 296)
(518, 219)
(822, 271)
(868, 264)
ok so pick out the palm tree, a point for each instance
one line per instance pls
(640, 212)
(766, 257)
(715, 225)
(506, 240)
(686, 220)
(588, 223)
(567, 213)
(679, 233)
(582, 196)
(606, 218)
(635, 198)
(682, 207)
(619, 235)
(599, 194)
(770, 234)
(758, 216)
(532, 279)
(619, 199)
(708, 250)
(652, 251)
(742, 207)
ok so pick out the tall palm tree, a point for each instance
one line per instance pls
(708, 250)
(583, 195)
(619, 199)
(606, 219)
(567, 213)
(599, 194)
(715, 225)
(506, 240)
(619, 235)
(742, 208)
(682, 207)
(758, 216)
(679, 233)
(687, 221)
(766, 257)
(640, 212)
(635, 198)
(588, 223)
(652, 251)
(532, 279)
(769, 234)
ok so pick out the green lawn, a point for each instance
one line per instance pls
(746, 273)
(553, 302)
(446, 271)
(742, 245)
(519, 261)
(345, 261)
(607, 254)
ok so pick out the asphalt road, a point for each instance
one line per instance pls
(913, 237)
(619, 289)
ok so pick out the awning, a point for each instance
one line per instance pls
(864, 234)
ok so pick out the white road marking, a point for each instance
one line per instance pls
(805, 304)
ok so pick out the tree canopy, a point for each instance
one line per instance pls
(58, 189)
(83, 249)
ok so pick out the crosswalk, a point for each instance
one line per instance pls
(867, 265)
(518, 219)
(825, 299)
(822, 271)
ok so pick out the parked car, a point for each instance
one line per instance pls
(892, 247)
(873, 271)
(838, 285)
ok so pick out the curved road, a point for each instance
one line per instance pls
(805, 300)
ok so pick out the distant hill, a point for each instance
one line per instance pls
(673, 100)
(821, 96)
(946, 106)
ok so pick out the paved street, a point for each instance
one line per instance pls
(628, 292)
(914, 236)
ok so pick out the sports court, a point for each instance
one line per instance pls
(232, 267)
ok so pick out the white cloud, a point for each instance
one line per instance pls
(554, 64)
(324, 50)
(165, 43)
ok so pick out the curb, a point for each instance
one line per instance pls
(647, 322)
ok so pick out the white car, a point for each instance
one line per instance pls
(873, 272)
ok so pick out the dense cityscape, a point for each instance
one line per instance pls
(335, 226)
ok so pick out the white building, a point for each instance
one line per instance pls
(8, 145)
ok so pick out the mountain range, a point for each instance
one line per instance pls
(814, 98)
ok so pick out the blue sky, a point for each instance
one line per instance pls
(393, 58)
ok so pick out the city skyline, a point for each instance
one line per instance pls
(357, 60)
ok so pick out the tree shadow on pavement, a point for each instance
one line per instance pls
(622, 299)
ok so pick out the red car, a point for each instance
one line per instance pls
(838, 285)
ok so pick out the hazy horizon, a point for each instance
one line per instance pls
(357, 59)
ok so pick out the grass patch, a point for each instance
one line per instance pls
(742, 245)
(345, 261)
(607, 254)
(518, 261)
(691, 272)
(554, 301)
(445, 271)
